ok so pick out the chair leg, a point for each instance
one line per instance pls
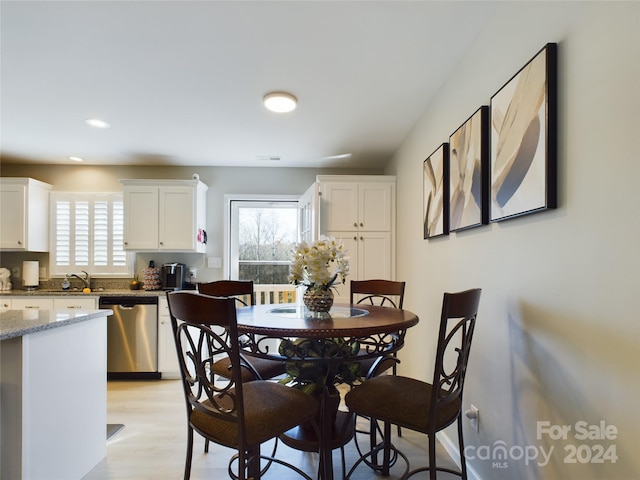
(431, 437)
(253, 463)
(187, 465)
(463, 461)
(373, 438)
(206, 445)
(386, 455)
(394, 371)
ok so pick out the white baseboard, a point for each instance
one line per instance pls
(452, 449)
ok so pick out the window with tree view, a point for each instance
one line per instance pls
(263, 234)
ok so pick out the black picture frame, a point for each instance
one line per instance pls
(435, 179)
(524, 139)
(468, 172)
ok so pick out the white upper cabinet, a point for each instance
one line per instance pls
(24, 214)
(357, 205)
(141, 217)
(165, 215)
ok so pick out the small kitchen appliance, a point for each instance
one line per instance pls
(173, 276)
(31, 274)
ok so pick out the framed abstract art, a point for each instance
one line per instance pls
(435, 178)
(468, 172)
(524, 140)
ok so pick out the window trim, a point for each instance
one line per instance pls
(228, 203)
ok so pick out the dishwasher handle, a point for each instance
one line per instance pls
(128, 301)
(126, 307)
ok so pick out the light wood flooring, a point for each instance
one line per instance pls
(152, 444)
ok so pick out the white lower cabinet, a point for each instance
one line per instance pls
(75, 303)
(32, 303)
(167, 356)
(52, 303)
(369, 258)
(5, 304)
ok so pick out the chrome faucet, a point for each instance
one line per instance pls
(86, 280)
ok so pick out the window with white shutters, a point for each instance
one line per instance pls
(88, 234)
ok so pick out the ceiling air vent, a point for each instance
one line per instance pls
(269, 158)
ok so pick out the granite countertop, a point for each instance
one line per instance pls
(124, 292)
(17, 323)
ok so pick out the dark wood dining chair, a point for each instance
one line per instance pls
(385, 293)
(228, 411)
(421, 406)
(255, 368)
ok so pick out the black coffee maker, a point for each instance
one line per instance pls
(173, 276)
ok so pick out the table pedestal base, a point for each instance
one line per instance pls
(304, 438)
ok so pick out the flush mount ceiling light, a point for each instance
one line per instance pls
(280, 102)
(76, 159)
(97, 123)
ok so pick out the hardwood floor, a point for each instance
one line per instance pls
(153, 442)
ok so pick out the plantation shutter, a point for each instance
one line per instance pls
(88, 234)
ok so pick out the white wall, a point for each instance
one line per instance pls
(558, 334)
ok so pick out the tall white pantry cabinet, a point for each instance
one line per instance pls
(361, 211)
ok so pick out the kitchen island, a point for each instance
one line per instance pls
(53, 393)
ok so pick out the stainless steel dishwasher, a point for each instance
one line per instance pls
(132, 337)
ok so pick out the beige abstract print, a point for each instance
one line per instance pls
(518, 140)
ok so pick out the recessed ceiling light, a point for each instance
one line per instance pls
(97, 123)
(280, 102)
(77, 159)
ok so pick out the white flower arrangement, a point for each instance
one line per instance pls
(312, 264)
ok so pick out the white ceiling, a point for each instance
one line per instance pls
(181, 82)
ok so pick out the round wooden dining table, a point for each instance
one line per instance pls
(357, 332)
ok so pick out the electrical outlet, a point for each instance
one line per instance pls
(43, 273)
(192, 272)
(473, 414)
(15, 271)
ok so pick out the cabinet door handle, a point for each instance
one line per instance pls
(355, 224)
(19, 242)
(161, 243)
(361, 238)
(126, 243)
(361, 224)
(35, 307)
(355, 238)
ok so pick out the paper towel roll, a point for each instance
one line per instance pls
(30, 273)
